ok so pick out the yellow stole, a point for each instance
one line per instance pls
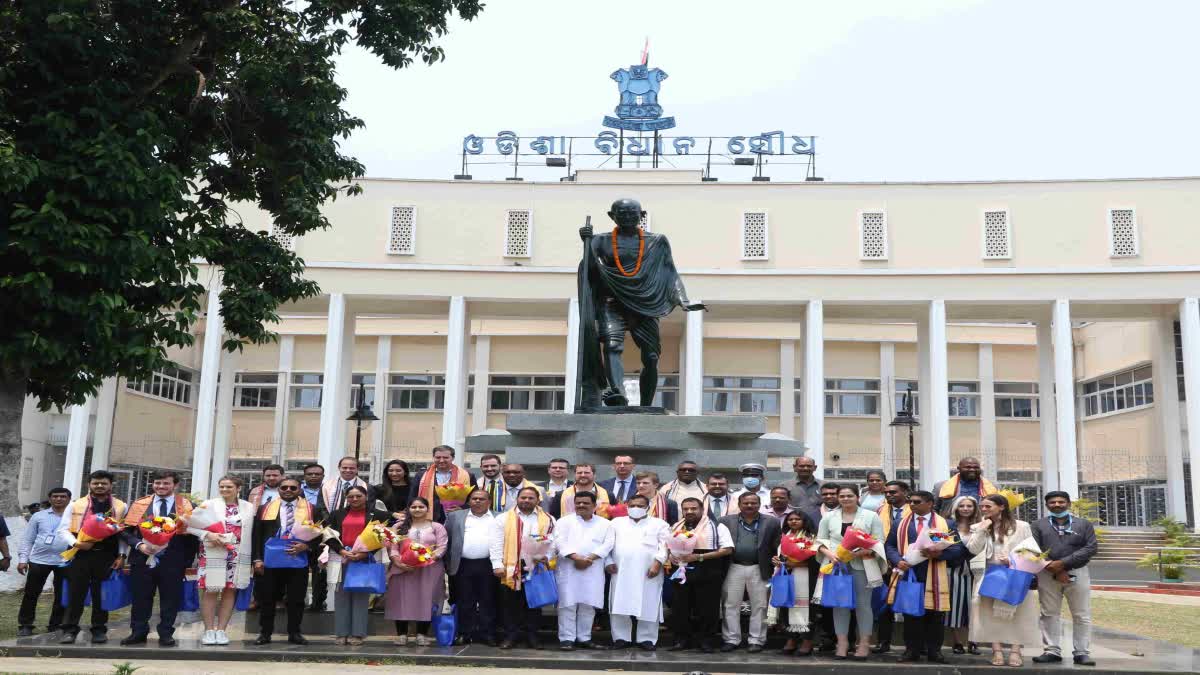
(303, 510)
(84, 504)
(514, 534)
(566, 504)
(950, 488)
(937, 579)
(429, 480)
(137, 510)
(885, 514)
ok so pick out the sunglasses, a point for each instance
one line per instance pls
(289, 487)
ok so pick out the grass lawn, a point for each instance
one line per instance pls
(10, 603)
(1179, 624)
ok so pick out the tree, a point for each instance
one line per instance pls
(128, 129)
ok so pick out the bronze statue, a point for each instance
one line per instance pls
(627, 282)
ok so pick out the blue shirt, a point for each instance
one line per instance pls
(41, 529)
(313, 495)
(966, 489)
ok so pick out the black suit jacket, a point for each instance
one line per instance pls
(953, 556)
(610, 485)
(265, 529)
(180, 551)
(439, 515)
(769, 533)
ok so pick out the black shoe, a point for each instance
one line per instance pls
(728, 647)
(959, 649)
(67, 639)
(102, 637)
(505, 644)
(1048, 657)
(1084, 660)
(910, 657)
(882, 648)
(754, 649)
(677, 647)
(586, 644)
(566, 645)
(297, 639)
(707, 648)
(647, 646)
(534, 643)
(620, 644)
(24, 631)
(167, 642)
(973, 649)
(262, 640)
(937, 657)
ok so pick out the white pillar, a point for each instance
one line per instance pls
(339, 338)
(924, 403)
(106, 409)
(77, 437)
(383, 366)
(682, 373)
(206, 399)
(693, 393)
(1166, 400)
(787, 388)
(287, 349)
(571, 367)
(887, 408)
(223, 433)
(1064, 398)
(457, 339)
(814, 383)
(1189, 322)
(937, 419)
(1048, 411)
(483, 372)
(987, 412)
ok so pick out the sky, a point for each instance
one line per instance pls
(907, 90)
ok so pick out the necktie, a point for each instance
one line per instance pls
(492, 493)
(287, 517)
(345, 486)
(920, 524)
(624, 488)
(162, 507)
(716, 508)
(895, 514)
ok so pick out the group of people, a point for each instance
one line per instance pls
(612, 546)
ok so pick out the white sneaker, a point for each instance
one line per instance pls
(222, 637)
(210, 638)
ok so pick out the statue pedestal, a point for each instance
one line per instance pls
(657, 442)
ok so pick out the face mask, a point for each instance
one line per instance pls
(1060, 514)
(751, 483)
(637, 512)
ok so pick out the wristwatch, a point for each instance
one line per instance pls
(701, 557)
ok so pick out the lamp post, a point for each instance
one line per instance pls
(905, 418)
(361, 414)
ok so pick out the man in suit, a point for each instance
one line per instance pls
(277, 519)
(621, 486)
(333, 490)
(469, 567)
(755, 541)
(166, 576)
(268, 489)
(443, 471)
(558, 469)
(894, 508)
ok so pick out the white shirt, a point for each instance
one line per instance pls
(574, 535)
(268, 494)
(441, 478)
(529, 524)
(477, 536)
(553, 488)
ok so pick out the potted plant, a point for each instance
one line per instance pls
(1171, 562)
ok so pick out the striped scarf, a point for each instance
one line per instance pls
(937, 579)
(566, 498)
(429, 481)
(706, 533)
(137, 510)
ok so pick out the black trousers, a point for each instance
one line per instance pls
(516, 617)
(474, 590)
(274, 583)
(696, 605)
(885, 625)
(35, 581)
(320, 582)
(85, 572)
(924, 634)
(167, 582)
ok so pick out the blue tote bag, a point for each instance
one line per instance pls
(783, 588)
(1005, 584)
(365, 576)
(275, 555)
(540, 588)
(838, 588)
(115, 592)
(910, 596)
(244, 595)
(191, 596)
(445, 626)
(879, 603)
(87, 599)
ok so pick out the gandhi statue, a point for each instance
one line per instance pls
(627, 282)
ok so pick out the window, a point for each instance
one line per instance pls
(527, 392)
(170, 383)
(873, 243)
(964, 399)
(996, 236)
(1017, 400)
(402, 235)
(286, 240)
(667, 393)
(754, 235)
(306, 391)
(518, 234)
(255, 390)
(1179, 362)
(1115, 393)
(1122, 233)
(368, 381)
(732, 395)
(901, 389)
(851, 397)
(412, 391)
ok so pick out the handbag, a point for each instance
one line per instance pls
(910, 596)
(445, 625)
(838, 588)
(244, 595)
(115, 592)
(191, 596)
(783, 588)
(364, 576)
(879, 603)
(541, 588)
(87, 599)
(275, 555)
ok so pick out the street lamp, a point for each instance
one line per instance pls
(361, 414)
(905, 418)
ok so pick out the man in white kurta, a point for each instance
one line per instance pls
(635, 563)
(582, 540)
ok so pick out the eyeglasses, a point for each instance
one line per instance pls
(289, 487)
(916, 502)
(686, 470)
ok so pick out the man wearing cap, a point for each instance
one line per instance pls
(752, 482)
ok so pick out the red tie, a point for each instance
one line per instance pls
(920, 524)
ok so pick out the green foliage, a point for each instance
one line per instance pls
(1173, 562)
(125, 668)
(1089, 509)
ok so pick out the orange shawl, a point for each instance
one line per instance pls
(138, 509)
(429, 480)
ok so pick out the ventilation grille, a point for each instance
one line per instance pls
(1123, 233)
(284, 239)
(518, 234)
(402, 234)
(754, 235)
(996, 238)
(874, 235)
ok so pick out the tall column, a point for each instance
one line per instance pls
(1189, 322)
(682, 372)
(887, 407)
(287, 350)
(938, 416)
(987, 412)
(571, 367)
(814, 383)
(693, 392)
(223, 432)
(383, 367)
(787, 388)
(483, 372)
(924, 403)
(457, 338)
(339, 339)
(77, 437)
(1064, 398)
(206, 399)
(106, 409)
(1048, 411)
(1166, 395)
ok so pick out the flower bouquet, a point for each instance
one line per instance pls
(306, 530)
(929, 538)
(797, 549)
(536, 546)
(611, 511)
(1015, 499)
(679, 544)
(452, 495)
(374, 536)
(414, 554)
(96, 527)
(156, 534)
(853, 539)
(1028, 560)
(211, 521)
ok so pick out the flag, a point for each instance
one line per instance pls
(646, 52)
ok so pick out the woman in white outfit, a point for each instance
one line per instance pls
(996, 536)
(224, 569)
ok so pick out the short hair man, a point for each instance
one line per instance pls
(38, 558)
(623, 484)
(333, 490)
(687, 483)
(717, 502)
(755, 543)
(969, 482)
(635, 565)
(443, 471)
(583, 540)
(94, 561)
(469, 568)
(558, 469)
(806, 489)
(268, 489)
(1070, 541)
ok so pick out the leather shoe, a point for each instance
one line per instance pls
(535, 643)
(566, 645)
(1047, 658)
(647, 646)
(882, 648)
(586, 644)
(67, 639)
(167, 642)
(707, 648)
(262, 640)
(24, 631)
(677, 647)
(297, 639)
(754, 649)
(102, 637)
(937, 657)
(620, 644)
(505, 644)
(728, 647)
(910, 657)
(1084, 660)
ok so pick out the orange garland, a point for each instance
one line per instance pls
(617, 254)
